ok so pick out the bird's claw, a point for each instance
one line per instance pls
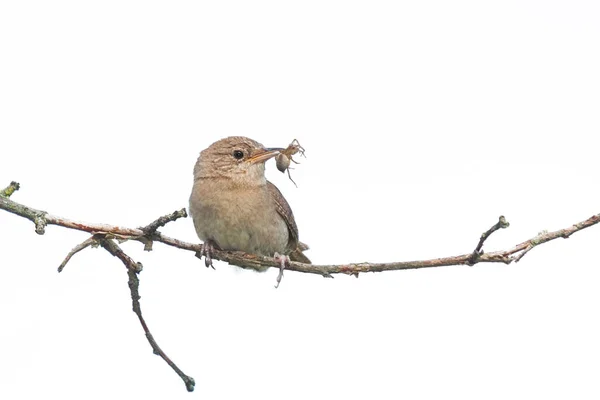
(206, 252)
(284, 261)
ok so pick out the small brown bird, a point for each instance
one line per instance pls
(234, 207)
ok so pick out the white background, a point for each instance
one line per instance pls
(422, 121)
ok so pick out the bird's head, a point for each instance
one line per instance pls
(237, 158)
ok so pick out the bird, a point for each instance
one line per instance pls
(235, 208)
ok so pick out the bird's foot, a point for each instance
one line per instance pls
(207, 249)
(284, 261)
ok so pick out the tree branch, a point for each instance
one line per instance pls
(257, 262)
(501, 224)
(133, 268)
(103, 235)
(10, 189)
(91, 241)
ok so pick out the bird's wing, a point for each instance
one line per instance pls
(283, 208)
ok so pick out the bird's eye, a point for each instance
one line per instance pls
(238, 154)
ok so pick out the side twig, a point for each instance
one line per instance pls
(10, 189)
(133, 268)
(85, 244)
(103, 234)
(152, 227)
(256, 262)
(501, 224)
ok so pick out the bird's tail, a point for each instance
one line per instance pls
(298, 255)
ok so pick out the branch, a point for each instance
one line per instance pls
(257, 262)
(92, 241)
(150, 229)
(103, 235)
(10, 189)
(133, 268)
(501, 224)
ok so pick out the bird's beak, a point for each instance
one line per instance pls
(264, 154)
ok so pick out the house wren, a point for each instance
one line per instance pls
(234, 207)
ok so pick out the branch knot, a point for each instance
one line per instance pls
(40, 223)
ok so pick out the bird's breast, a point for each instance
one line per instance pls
(242, 219)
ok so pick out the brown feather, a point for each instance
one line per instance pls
(298, 255)
(283, 208)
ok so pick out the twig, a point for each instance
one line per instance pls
(152, 227)
(133, 268)
(104, 234)
(532, 243)
(501, 224)
(88, 242)
(10, 189)
(522, 254)
(42, 218)
(162, 221)
(256, 262)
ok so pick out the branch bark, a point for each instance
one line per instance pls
(133, 269)
(103, 234)
(257, 262)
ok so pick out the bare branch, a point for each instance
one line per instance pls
(133, 268)
(88, 242)
(151, 228)
(522, 254)
(257, 262)
(501, 224)
(104, 234)
(42, 218)
(162, 221)
(10, 189)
